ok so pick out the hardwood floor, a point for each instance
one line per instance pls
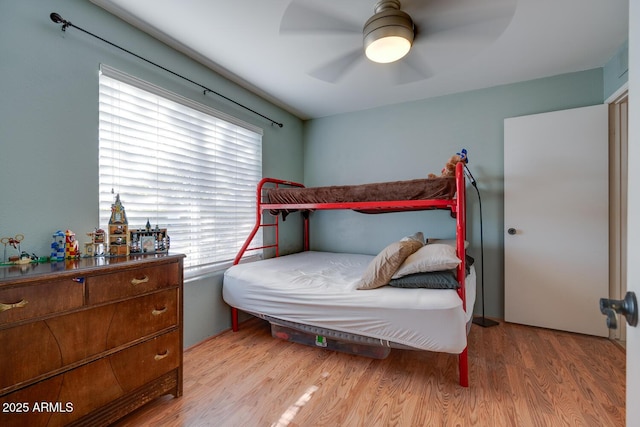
(519, 376)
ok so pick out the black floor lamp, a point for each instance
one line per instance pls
(482, 321)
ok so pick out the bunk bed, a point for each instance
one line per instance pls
(323, 293)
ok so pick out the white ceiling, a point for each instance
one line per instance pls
(272, 47)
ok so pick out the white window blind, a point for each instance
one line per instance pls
(179, 164)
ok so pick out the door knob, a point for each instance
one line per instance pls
(628, 307)
(511, 231)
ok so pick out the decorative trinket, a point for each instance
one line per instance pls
(118, 230)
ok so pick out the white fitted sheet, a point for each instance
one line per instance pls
(319, 289)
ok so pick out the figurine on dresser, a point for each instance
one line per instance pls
(118, 230)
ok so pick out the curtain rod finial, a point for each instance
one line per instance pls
(55, 17)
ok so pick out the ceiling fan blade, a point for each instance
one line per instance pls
(306, 16)
(464, 22)
(337, 68)
(410, 69)
(479, 32)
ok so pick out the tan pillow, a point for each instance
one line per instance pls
(385, 264)
(431, 257)
(416, 236)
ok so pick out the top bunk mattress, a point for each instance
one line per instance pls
(319, 289)
(416, 189)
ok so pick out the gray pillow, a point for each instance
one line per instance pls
(430, 280)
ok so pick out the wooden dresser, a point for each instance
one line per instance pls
(85, 342)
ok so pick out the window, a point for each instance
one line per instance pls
(179, 165)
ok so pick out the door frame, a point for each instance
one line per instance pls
(618, 177)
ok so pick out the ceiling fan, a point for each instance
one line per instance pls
(434, 35)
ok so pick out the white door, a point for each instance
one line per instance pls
(633, 218)
(556, 219)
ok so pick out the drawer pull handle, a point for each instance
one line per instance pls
(144, 279)
(157, 312)
(161, 356)
(19, 304)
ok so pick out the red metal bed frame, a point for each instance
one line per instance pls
(457, 206)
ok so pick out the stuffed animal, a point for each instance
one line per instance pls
(450, 167)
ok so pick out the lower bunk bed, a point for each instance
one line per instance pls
(412, 295)
(319, 290)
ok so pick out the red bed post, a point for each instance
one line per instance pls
(234, 319)
(305, 231)
(461, 228)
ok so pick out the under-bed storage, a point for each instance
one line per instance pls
(320, 338)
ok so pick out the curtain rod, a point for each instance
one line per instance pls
(59, 20)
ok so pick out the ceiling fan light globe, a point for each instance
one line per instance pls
(388, 49)
(388, 35)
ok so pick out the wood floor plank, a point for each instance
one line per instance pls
(519, 376)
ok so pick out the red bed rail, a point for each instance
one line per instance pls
(457, 206)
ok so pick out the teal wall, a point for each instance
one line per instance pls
(616, 70)
(49, 127)
(410, 140)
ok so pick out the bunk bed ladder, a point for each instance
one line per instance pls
(261, 225)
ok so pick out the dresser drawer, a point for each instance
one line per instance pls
(67, 396)
(27, 302)
(26, 352)
(19, 408)
(150, 314)
(87, 333)
(109, 287)
(145, 362)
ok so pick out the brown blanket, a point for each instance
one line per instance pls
(416, 189)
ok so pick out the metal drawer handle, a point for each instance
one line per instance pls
(19, 304)
(161, 356)
(144, 279)
(157, 312)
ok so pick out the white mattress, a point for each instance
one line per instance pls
(319, 289)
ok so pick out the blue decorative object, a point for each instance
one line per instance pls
(58, 246)
(463, 155)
